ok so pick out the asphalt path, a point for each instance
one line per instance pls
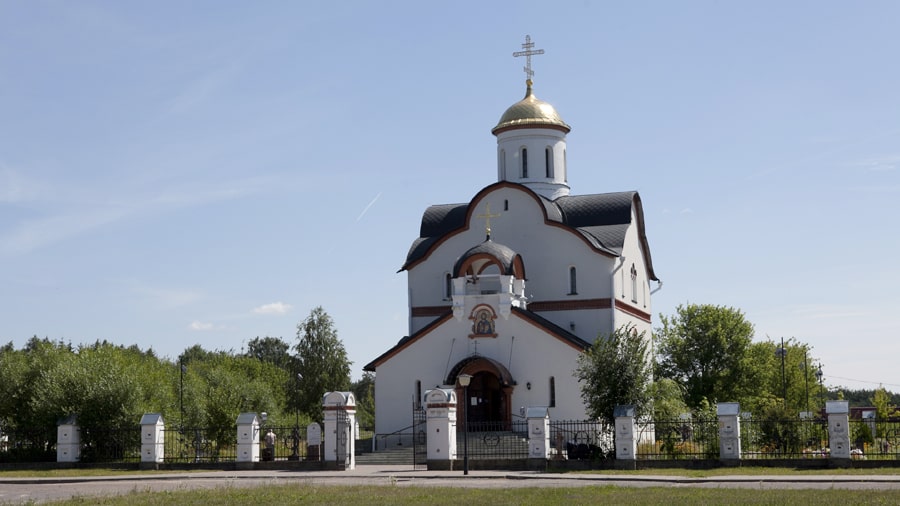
(41, 490)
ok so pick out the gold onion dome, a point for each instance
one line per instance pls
(530, 113)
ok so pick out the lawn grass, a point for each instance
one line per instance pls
(397, 495)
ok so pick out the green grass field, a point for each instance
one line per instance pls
(396, 495)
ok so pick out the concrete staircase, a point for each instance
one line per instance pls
(392, 456)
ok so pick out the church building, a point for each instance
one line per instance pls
(511, 286)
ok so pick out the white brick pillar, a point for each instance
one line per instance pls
(838, 428)
(247, 438)
(538, 419)
(340, 417)
(626, 444)
(152, 438)
(68, 440)
(440, 411)
(729, 430)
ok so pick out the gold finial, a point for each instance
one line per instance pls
(487, 220)
(527, 53)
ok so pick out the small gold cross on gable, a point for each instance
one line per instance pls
(487, 219)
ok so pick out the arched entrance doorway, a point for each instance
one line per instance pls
(490, 391)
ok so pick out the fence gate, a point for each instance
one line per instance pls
(344, 433)
(420, 437)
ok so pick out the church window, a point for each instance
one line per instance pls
(573, 281)
(548, 161)
(565, 166)
(448, 286)
(552, 402)
(633, 284)
(524, 162)
(502, 165)
(418, 394)
(506, 205)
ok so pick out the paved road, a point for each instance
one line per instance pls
(21, 490)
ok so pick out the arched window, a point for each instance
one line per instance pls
(502, 165)
(633, 284)
(552, 403)
(565, 167)
(573, 281)
(506, 205)
(524, 163)
(448, 286)
(418, 402)
(548, 161)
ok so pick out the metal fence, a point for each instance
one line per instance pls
(784, 439)
(581, 440)
(198, 445)
(28, 445)
(678, 439)
(493, 440)
(111, 444)
(875, 439)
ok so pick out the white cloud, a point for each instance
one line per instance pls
(273, 308)
(201, 326)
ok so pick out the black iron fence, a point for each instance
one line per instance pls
(678, 439)
(288, 443)
(198, 445)
(493, 440)
(875, 439)
(111, 444)
(581, 440)
(28, 445)
(784, 439)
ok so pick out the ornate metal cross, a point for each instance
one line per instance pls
(527, 53)
(487, 219)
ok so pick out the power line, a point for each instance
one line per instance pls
(865, 381)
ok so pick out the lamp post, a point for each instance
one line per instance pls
(181, 392)
(781, 352)
(819, 375)
(464, 380)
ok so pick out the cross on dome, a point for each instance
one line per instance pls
(527, 53)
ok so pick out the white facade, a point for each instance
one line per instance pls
(512, 286)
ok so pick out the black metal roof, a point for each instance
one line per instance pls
(503, 254)
(601, 219)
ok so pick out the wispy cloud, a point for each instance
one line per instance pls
(879, 163)
(831, 311)
(201, 326)
(14, 187)
(273, 308)
(92, 212)
(166, 298)
(364, 211)
(200, 89)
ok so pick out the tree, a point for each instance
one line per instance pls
(668, 401)
(364, 390)
(704, 347)
(322, 363)
(615, 371)
(272, 350)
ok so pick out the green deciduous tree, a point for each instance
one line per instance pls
(615, 371)
(703, 348)
(322, 362)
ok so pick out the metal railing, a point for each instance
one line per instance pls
(494, 440)
(111, 444)
(679, 439)
(28, 445)
(291, 443)
(784, 439)
(198, 445)
(875, 439)
(581, 440)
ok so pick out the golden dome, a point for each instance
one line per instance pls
(530, 113)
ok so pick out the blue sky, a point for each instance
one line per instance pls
(178, 173)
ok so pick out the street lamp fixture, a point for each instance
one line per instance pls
(464, 380)
(782, 352)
